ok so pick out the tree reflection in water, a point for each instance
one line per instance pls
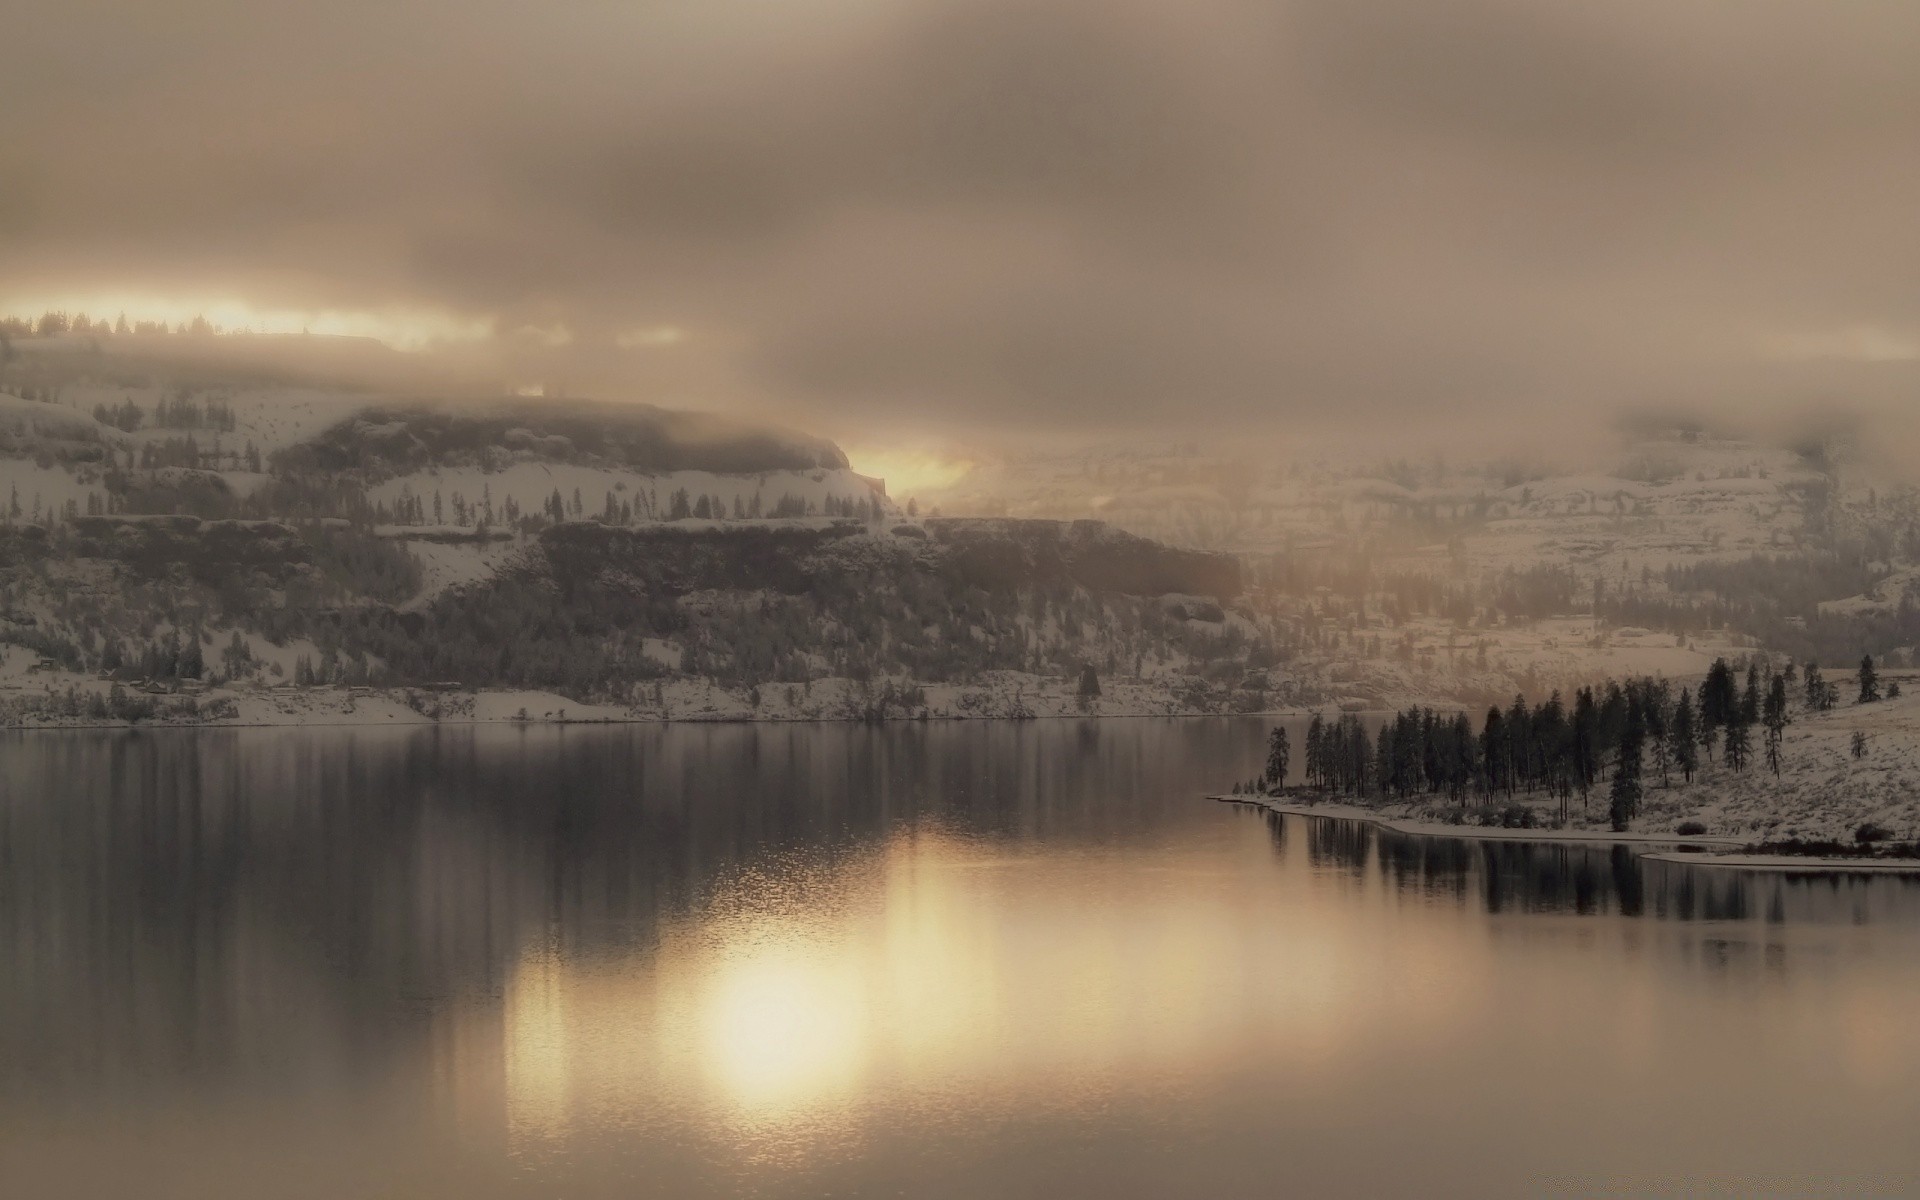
(1509, 876)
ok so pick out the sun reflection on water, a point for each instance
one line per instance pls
(936, 971)
(781, 1027)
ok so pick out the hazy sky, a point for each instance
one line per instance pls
(1028, 215)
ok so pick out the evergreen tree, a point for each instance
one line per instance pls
(1685, 736)
(1466, 759)
(1739, 745)
(1718, 701)
(1316, 752)
(1493, 750)
(1869, 681)
(1775, 718)
(1088, 692)
(1519, 744)
(1089, 683)
(1624, 796)
(237, 657)
(1816, 687)
(1278, 752)
(1586, 753)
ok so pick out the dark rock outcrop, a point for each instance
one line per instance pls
(396, 438)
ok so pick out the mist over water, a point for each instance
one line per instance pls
(949, 959)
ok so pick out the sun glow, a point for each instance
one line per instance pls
(909, 472)
(944, 969)
(782, 1028)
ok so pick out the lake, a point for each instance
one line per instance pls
(962, 959)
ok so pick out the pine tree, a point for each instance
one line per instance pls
(1685, 736)
(1624, 796)
(1718, 700)
(1316, 752)
(1493, 749)
(1816, 688)
(1869, 681)
(1089, 690)
(1466, 760)
(1739, 745)
(1278, 752)
(1775, 718)
(1585, 750)
(1519, 743)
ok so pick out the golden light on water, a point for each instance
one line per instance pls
(781, 1027)
(943, 968)
(538, 1055)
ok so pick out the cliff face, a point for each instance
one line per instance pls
(674, 559)
(395, 438)
(991, 555)
(610, 611)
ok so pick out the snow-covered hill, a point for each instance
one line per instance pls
(1665, 501)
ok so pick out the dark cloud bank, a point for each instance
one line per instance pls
(1027, 216)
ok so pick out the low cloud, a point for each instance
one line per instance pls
(1025, 217)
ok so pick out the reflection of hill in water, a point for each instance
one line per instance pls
(1543, 877)
(226, 900)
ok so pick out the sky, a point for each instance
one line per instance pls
(1023, 218)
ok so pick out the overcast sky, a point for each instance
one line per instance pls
(1019, 216)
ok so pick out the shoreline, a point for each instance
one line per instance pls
(1793, 864)
(1725, 861)
(643, 719)
(1489, 833)
(61, 702)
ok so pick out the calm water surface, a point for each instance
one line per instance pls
(963, 960)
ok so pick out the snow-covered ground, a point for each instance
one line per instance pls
(1823, 793)
(1429, 658)
(1376, 816)
(649, 496)
(1662, 501)
(29, 697)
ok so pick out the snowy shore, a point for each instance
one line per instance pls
(1496, 833)
(1848, 776)
(66, 701)
(1689, 849)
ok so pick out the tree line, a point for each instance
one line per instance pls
(1613, 735)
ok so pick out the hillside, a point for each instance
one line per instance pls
(1465, 580)
(237, 548)
(845, 618)
(359, 538)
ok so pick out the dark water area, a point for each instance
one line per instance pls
(951, 959)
